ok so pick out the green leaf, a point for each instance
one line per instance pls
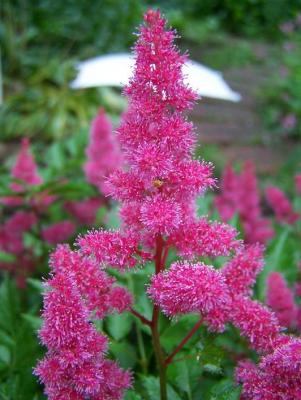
(125, 353)
(7, 257)
(225, 390)
(152, 387)
(119, 325)
(131, 395)
(36, 284)
(34, 321)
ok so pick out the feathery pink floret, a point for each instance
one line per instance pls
(84, 211)
(204, 238)
(74, 365)
(281, 205)
(298, 183)
(277, 377)
(240, 195)
(103, 152)
(241, 271)
(187, 288)
(112, 249)
(281, 300)
(160, 215)
(98, 289)
(256, 322)
(58, 232)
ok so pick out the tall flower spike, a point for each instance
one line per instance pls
(103, 152)
(281, 205)
(281, 300)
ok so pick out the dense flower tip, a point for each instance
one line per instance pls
(25, 168)
(281, 205)
(239, 194)
(75, 365)
(111, 249)
(241, 271)
(96, 287)
(281, 300)
(186, 288)
(59, 232)
(276, 377)
(103, 152)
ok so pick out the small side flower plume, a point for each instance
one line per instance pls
(59, 232)
(112, 249)
(75, 367)
(205, 238)
(281, 205)
(257, 323)
(241, 271)
(189, 288)
(84, 211)
(276, 377)
(298, 183)
(240, 195)
(25, 169)
(281, 300)
(103, 152)
(99, 290)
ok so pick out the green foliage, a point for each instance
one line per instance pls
(19, 349)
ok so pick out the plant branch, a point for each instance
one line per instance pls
(141, 317)
(183, 342)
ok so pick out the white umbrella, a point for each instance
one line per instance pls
(116, 70)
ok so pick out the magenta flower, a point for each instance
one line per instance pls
(281, 205)
(240, 195)
(58, 232)
(103, 152)
(75, 367)
(281, 300)
(276, 377)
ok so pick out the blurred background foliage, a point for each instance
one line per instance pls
(42, 40)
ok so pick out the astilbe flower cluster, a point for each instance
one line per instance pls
(157, 188)
(75, 366)
(281, 205)
(240, 195)
(103, 153)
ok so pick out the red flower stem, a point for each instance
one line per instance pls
(159, 266)
(183, 342)
(141, 317)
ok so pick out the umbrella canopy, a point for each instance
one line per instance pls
(116, 70)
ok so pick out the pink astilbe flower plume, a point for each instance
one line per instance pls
(281, 300)
(84, 211)
(25, 169)
(240, 195)
(277, 377)
(158, 186)
(189, 288)
(75, 366)
(103, 152)
(102, 295)
(281, 205)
